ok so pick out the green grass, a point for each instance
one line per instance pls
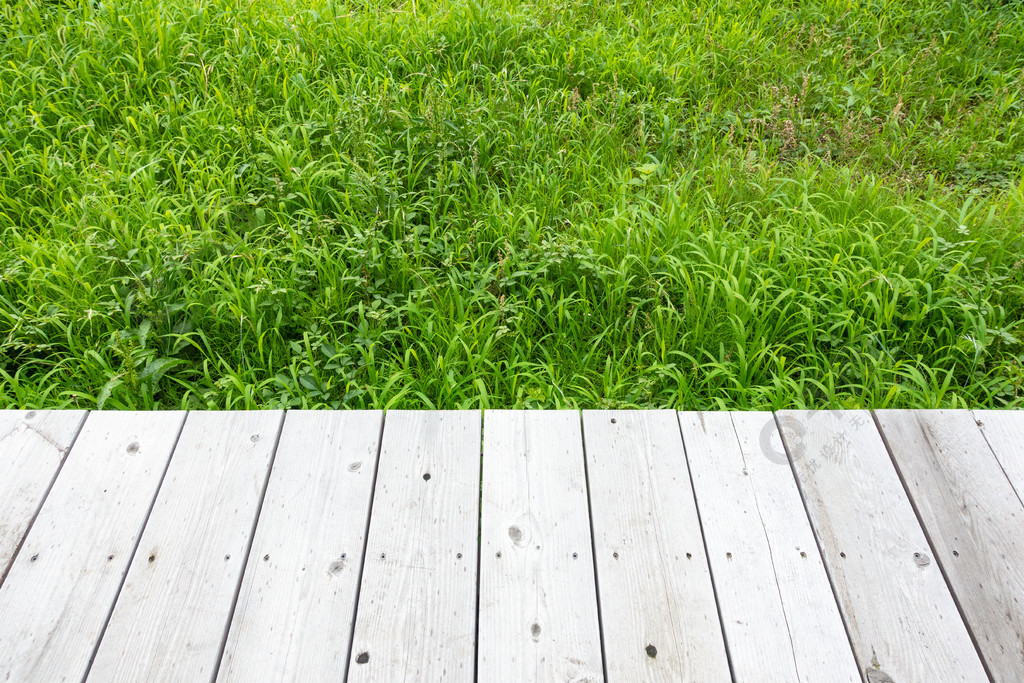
(718, 204)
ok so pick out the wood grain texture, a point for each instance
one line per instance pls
(975, 522)
(658, 609)
(780, 617)
(33, 445)
(417, 604)
(62, 585)
(295, 611)
(171, 618)
(1004, 431)
(538, 602)
(899, 613)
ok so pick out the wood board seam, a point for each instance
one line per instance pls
(593, 546)
(931, 545)
(46, 494)
(704, 544)
(135, 549)
(977, 421)
(479, 548)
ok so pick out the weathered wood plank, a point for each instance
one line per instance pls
(1004, 431)
(33, 444)
(417, 603)
(170, 620)
(657, 603)
(538, 602)
(63, 583)
(780, 617)
(975, 522)
(294, 616)
(899, 613)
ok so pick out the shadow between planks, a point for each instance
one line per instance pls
(512, 545)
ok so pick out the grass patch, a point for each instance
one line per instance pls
(756, 204)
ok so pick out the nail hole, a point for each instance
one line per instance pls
(497, 554)
(651, 651)
(426, 476)
(30, 415)
(152, 558)
(574, 556)
(728, 556)
(354, 466)
(535, 630)
(689, 556)
(842, 554)
(613, 420)
(956, 554)
(254, 438)
(227, 557)
(133, 447)
(382, 556)
(109, 558)
(344, 555)
(803, 554)
(33, 558)
(615, 555)
(362, 658)
(266, 558)
(458, 556)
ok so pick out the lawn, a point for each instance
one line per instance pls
(745, 204)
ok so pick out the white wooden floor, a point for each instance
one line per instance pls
(512, 546)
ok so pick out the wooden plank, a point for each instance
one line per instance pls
(33, 444)
(1004, 431)
(780, 617)
(538, 602)
(294, 616)
(899, 614)
(974, 520)
(417, 603)
(64, 581)
(171, 618)
(657, 603)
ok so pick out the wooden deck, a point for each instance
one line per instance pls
(512, 546)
